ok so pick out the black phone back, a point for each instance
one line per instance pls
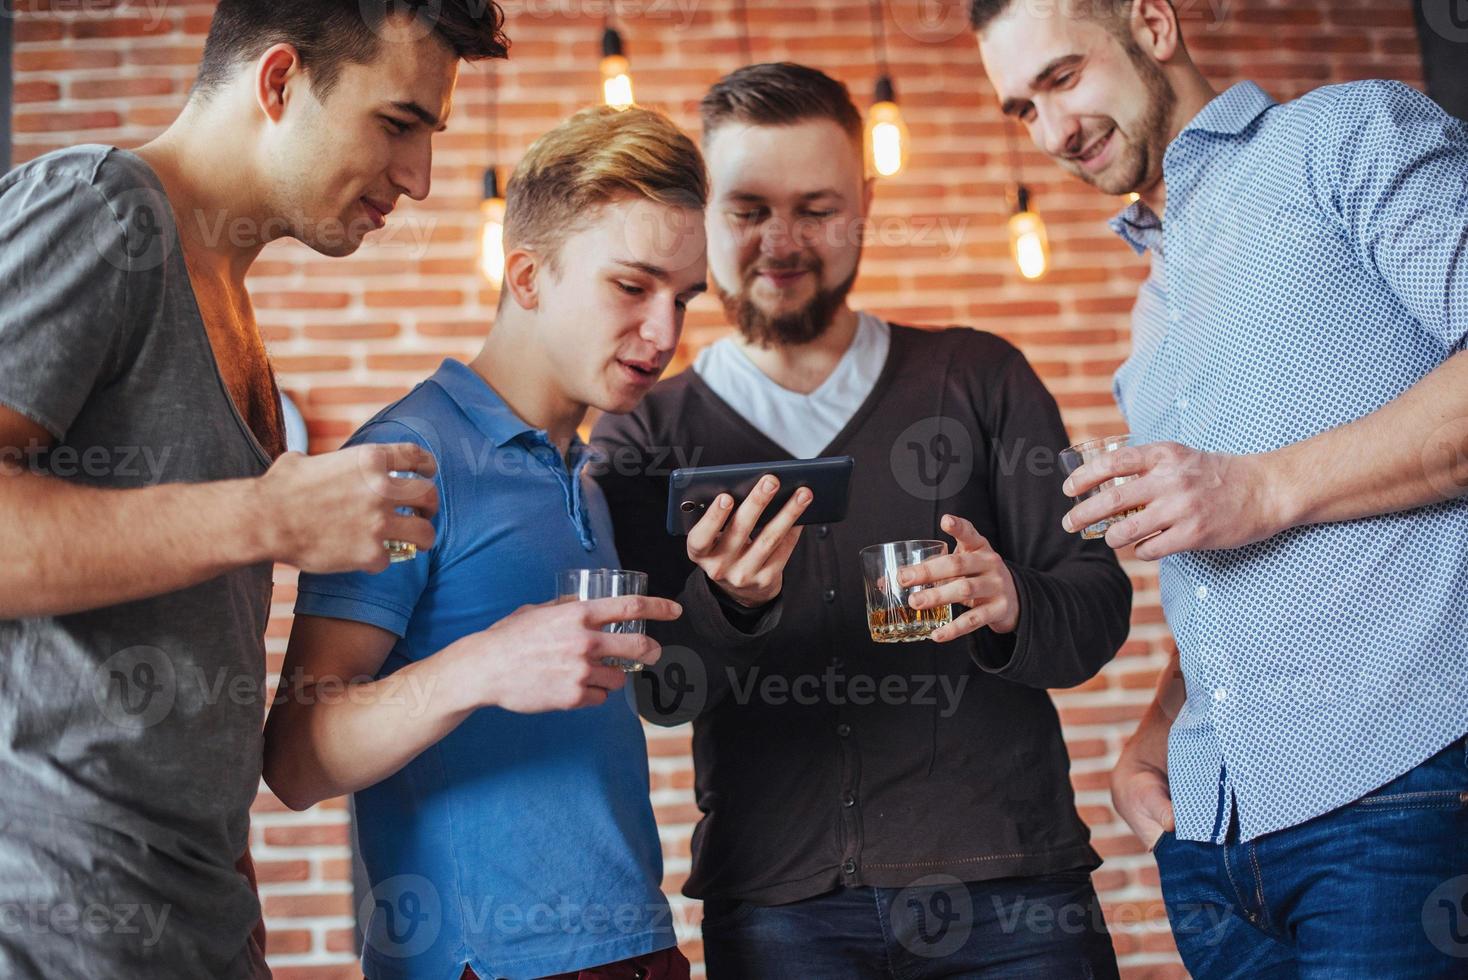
(692, 490)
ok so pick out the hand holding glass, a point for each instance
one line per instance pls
(583, 584)
(1081, 453)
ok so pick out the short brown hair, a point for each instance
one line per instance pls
(330, 34)
(779, 94)
(591, 159)
(1112, 13)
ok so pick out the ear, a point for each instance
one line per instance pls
(522, 275)
(1154, 26)
(276, 72)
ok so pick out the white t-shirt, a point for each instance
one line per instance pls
(802, 424)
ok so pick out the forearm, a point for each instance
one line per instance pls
(327, 737)
(1148, 744)
(70, 548)
(1409, 453)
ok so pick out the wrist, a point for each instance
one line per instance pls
(258, 536)
(1278, 491)
(461, 679)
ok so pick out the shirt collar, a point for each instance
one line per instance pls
(487, 410)
(1138, 226)
(1233, 111)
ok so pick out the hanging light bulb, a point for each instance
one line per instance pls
(1133, 197)
(616, 71)
(1028, 242)
(887, 137)
(492, 231)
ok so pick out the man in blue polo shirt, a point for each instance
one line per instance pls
(504, 836)
(1298, 377)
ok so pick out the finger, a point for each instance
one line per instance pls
(970, 592)
(773, 536)
(628, 646)
(973, 620)
(964, 532)
(597, 613)
(414, 530)
(1129, 461)
(1153, 520)
(703, 538)
(411, 458)
(606, 678)
(421, 495)
(748, 515)
(941, 569)
(1109, 502)
(591, 697)
(1169, 542)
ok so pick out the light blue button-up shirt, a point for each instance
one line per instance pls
(1311, 268)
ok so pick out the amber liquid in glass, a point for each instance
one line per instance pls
(904, 624)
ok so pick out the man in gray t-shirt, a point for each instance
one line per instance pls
(141, 499)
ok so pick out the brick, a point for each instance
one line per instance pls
(304, 906)
(339, 971)
(120, 88)
(35, 92)
(121, 27)
(64, 59)
(413, 299)
(281, 941)
(351, 331)
(55, 122)
(306, 835)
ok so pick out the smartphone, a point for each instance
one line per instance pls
(693, 490)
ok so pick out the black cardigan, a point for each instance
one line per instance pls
(822, 758)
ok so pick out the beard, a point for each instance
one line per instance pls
(792, 329)
(1141, 151)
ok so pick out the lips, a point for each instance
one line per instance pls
(1095, 153)
(781, 278)
(377, 211)
(643, 372)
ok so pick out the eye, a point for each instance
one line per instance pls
(628, 288)
(396, 126)
(752, 215)
(682, 305)
(1063, 80)
(821, 215)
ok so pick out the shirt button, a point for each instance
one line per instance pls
(848, 800)
(829, 595)
(843, 730)
(1201, 592)
(824, 531)
(1182, 404)
(1220, 694)
(849, 867)
(1175, 316)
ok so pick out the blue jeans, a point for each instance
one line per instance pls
(1376, 890)
(1046, 927)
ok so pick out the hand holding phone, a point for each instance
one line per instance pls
(746, 562)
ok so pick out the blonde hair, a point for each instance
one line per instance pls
(596, 156)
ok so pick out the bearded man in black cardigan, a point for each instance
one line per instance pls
(869, 810)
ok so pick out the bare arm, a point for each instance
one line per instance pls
(1410, 452)
(334, 729)
(71, 548)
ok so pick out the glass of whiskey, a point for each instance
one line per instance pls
(890, 617)
(1076, 456)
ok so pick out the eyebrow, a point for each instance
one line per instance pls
(424, 116)
(749, 197)
(659, 273)
(1013, 107)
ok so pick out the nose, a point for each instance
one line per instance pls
(777, 241)
(412, 167)
(1056, 133)
(662, 326)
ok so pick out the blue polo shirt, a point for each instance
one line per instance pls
(521, 845)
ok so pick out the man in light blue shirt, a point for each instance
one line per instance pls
(504, 834)
(1299, 380)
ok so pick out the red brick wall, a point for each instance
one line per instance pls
(349, 335)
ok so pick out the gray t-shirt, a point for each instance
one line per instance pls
(130, 737)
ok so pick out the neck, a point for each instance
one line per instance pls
(205, 167)
(511, 364)
(803, 368)
(1193, 92)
